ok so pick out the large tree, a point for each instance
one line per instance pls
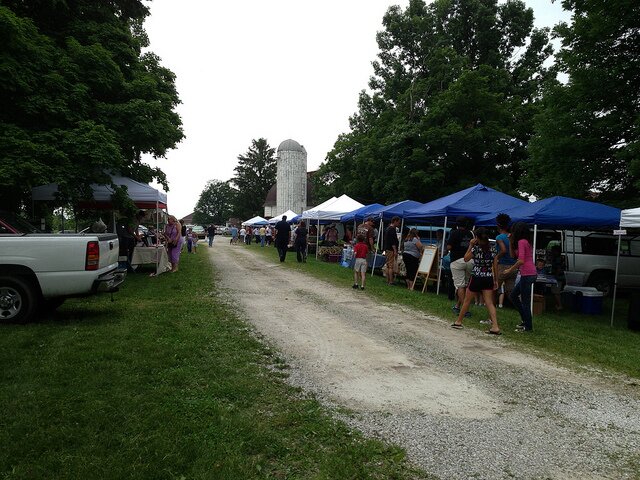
(452, 98)
(254, 176)
(587, 136)
(78, 98)
(215, 204)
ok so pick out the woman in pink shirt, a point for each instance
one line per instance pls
(521, 249)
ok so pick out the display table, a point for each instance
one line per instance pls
(151, 255)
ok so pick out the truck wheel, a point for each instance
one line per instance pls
(603, 281)
(18, 300)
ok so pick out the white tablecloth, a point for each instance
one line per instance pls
(149, 255)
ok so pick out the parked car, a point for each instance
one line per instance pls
(39, 271)
(199, 230)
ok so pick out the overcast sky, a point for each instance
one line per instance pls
(276, 69)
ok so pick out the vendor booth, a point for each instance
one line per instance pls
(564, 214)
(142, 195)
(471, 202)
(331, 210)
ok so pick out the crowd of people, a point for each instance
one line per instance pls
(480, 272)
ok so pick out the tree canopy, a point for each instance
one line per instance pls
(79, 98)
(254, 176)
(215, 204)
(454, 92)
(588, 133)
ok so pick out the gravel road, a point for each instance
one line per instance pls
(462, 404)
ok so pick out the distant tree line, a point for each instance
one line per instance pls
(243, 195)
(463, 92)
(79, 99)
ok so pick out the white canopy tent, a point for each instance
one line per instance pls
(629, 218)
(257, 220)
(332, 209)
(289, 214)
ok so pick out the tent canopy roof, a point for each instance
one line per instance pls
(395, 209)
(361, 213)
(332, 209)
(561, 212)
(290, 216)
(630, 218)
(470, 202)
(257, 220)
(142, 195)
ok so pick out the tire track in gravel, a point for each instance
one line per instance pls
(461, 404)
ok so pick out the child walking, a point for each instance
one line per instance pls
(360, 251)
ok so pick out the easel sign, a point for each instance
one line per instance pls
(428, 266)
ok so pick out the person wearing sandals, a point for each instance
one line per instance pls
(522, 251)
(483, 278)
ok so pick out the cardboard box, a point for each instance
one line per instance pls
(538, 304)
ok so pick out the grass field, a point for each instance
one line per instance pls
(587, 341)
(165, 382)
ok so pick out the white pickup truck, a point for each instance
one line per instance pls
(38, 271)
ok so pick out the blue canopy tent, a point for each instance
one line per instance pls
(563, 213)
(560, 213)
(471, 202)
(360, 214)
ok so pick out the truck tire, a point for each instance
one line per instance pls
(18, 300)
(603, 281)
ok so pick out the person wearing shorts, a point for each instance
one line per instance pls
(483, 278)
(460, 269)
(391, 245)
(360, 251)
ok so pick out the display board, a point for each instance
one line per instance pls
(428, 267)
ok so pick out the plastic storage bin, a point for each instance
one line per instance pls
(586, 300)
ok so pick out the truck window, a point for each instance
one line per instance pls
(599, 246)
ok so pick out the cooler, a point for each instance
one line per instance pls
(586, 300)
(574, 278)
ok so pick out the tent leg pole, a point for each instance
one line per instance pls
(535, 234)
(318, 239)
(157, 229)
(444, 237)
(615, 280)
(375, 250)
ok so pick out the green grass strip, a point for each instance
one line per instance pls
(571, 338)
(165, 382)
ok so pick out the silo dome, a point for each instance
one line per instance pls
(291, 146)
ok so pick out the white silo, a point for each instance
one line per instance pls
(291, 177)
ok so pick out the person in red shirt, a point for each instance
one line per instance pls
(360, 250)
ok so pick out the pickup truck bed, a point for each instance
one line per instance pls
(40, 270)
